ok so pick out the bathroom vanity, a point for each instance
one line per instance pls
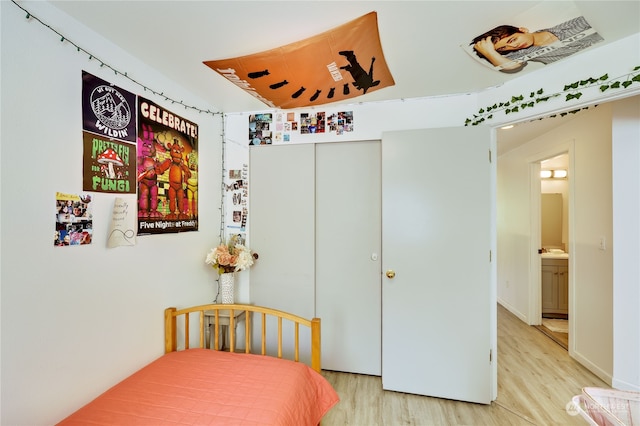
(555, 284)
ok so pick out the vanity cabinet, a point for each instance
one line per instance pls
(555, 286)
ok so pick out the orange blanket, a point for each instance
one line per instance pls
(206, 387)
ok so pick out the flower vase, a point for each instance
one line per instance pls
(226, 287)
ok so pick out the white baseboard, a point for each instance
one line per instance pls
(513, 310)
(622, 385)
(606, 377)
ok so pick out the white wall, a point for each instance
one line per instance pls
(76, 320)
(626, 240)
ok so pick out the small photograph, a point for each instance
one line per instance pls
(260, 129)
(74, 220)
(312, 123)
(344, 122)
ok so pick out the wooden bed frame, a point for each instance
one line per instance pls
(189, 384)
(171, 322)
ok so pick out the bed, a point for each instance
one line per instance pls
(194, 385)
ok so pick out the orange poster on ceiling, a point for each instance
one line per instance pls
(342, 63)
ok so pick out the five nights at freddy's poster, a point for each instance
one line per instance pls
(167, 173)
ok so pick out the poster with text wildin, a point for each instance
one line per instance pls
(109, 136)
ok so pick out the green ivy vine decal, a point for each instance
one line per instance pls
(571, 91)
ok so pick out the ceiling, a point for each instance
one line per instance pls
(421, 39)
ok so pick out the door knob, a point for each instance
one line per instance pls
(391, 273)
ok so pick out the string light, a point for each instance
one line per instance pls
(91, 56)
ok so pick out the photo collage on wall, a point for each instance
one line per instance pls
(264, 130)
(237, 191)
(74, 220)
(260, 129)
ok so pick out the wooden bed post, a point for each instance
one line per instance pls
(316, 355)
(170, 338)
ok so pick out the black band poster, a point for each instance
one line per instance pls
(108, 137)
(167, 171)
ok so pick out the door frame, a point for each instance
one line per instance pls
(534, 315)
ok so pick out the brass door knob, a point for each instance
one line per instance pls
(391, 273)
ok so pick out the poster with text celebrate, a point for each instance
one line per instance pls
(109, 134)
(167, 171)
(339, 64)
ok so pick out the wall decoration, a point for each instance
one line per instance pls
(341, 122)
(546, 33)
(571, 92)
(108, 137)
(267, 128)
(312, 122)
(339, 64)
(260, 129)
(122, 231)
(74, 220)
(236, 189)
(167, 172)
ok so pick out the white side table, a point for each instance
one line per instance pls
(224, 316)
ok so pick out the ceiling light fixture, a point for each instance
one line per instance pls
(555, 174)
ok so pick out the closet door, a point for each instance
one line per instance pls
(281, 227)
(348, 239)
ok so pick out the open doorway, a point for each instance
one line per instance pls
(554, 248)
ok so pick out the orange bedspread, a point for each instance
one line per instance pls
(206, 387)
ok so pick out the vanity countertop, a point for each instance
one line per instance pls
(555, 255)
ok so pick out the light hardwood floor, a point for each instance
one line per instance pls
(536, 380)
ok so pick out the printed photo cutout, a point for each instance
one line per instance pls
(544, 34)
(342, 63)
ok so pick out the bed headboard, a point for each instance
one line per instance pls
(171, 316)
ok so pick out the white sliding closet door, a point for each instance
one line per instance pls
(315, 222)
(281, 227)
(348, 239)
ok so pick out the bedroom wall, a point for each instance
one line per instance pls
(75, 320)
(626, 240)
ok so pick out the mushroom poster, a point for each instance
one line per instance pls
(167, 173)
(109, 137)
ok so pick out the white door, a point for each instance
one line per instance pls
(438, 231)
(348, 228)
